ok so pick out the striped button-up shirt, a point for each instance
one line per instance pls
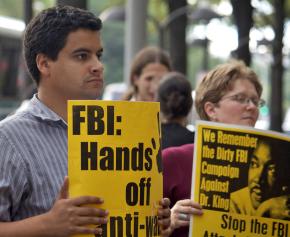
(33, 161)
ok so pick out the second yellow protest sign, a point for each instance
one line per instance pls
(241, 179)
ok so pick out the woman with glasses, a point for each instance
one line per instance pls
(230, 93)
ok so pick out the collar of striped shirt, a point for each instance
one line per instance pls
(40, 110)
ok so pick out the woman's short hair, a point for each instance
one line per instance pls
(219, 81)
(174, 95)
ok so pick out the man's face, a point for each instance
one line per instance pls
(78, 72)
(261, 174)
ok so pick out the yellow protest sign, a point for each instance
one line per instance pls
(241, 178)
(114, 153)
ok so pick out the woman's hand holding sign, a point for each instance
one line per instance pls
(181, 212)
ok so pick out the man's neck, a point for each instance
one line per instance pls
(55, 102)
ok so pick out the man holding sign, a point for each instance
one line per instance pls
(62, 48)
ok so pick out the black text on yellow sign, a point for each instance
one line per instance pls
(91, 127)
(96, 125)
(254, 226)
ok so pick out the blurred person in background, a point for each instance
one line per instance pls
(148, 67)
(174, 95)
(230, 93)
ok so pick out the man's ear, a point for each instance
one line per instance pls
(210, 110)
(42, 62)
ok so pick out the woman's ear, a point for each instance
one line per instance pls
(210, 110)
(42, 62)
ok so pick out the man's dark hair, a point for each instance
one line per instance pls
(48, 31)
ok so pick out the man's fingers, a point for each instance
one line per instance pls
(91, 211)
(84, 220)
(86, 230)
(163, 212)
(84, 200)
(165, 202)
(164, 222)
(63, 194)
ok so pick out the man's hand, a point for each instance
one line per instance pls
(70, 216)
(67, 217)
(164, 217)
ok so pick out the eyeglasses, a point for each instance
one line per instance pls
(243, 99)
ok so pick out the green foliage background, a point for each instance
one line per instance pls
(113, 39)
